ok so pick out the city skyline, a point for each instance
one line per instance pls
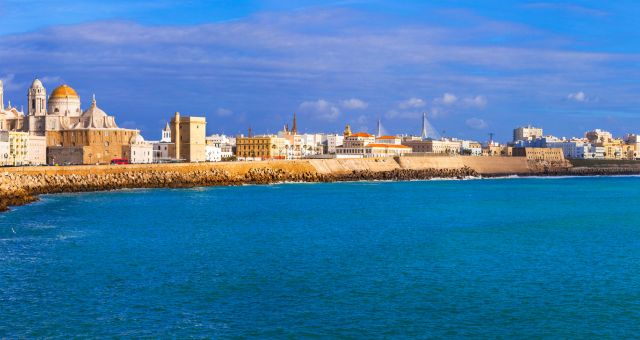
(474, 69)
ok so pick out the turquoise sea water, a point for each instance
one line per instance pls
(552, 257)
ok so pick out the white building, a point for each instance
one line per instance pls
(160, 149)
(364, 145)
(333, 141)
(526, 133)
(141, 151)
(471, 148)
(219, 148)
(36, 150)
(4, 148)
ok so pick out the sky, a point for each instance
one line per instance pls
(475, 67)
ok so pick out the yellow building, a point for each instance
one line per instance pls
(613, 148)
(188, 135)
(261, 147)
(18, 147)
(540, 154)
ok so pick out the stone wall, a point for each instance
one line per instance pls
(21, 185)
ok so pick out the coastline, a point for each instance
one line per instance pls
(23, 185)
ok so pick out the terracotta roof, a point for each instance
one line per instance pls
(398, 146)
(388, 137)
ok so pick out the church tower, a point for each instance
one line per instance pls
(294, 130)
(1, 96)
(347, 131)
(37, 108)
(37, 99)
(166, 134)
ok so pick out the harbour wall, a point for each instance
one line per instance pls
(22, 185)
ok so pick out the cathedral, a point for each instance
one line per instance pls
(72, 136)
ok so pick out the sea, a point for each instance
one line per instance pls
(483, 258)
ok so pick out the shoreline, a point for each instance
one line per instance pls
(20, 186)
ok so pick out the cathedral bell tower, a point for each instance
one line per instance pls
(37, 108)
(37, 99)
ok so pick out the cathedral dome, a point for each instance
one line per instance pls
(137, 139)
(64, 91)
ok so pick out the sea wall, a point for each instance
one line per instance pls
(22, 185)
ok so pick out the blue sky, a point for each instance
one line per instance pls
(474, 66)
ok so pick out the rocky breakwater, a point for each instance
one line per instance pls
(18, 188)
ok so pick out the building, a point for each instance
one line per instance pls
(470, 148)
(219, 148)
(354, 144)
(18, 145)
(526, 133)
(11, 119)
(4, 148)
(435, 146)
(161, 153)
(598, 136)
(139, 151)
(385, 150)
(188, 135)
(262, 147)
(364, 145)
(36, 150)
(93, 139)
(540, 154)
(389, 140)
(332, 142)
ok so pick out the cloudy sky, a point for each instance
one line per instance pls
(473, 66)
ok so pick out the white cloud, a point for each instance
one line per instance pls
(476, 123)
(578, 97)
(222, 112)
(354, 104)
(447, 99)
(412, 103)
(320, 109)
(477, 101)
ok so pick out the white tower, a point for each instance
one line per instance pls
(37, 98)
(1, 96)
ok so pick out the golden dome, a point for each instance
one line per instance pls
(64, 91)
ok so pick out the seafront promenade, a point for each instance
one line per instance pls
(21, 185)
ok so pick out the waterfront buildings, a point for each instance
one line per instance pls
(434, 146)
(540, 154)
(161, 153)
(92, 138)
(188, 135)
(139, 151)
(364, 145)
(333, 141)
(525, 133)
(219, 148)
(262, 147)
